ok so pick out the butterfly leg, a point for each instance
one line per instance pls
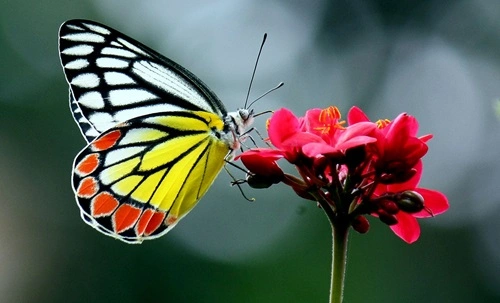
(238, 182)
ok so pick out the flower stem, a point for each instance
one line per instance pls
(339, 259)
(340, 232)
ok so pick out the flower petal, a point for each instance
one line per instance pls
(262, 166)
(358, 129)
(273, 154)
(356, 115)
(282, 125)
(311, 120)
(313, 150)
(407, 227)
(426, 138)
(403, 126)
(356, 141)
(410, 184)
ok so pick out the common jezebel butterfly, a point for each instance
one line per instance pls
(157, 135)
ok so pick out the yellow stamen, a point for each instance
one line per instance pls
(328, 114)
(382, 123)
(330, 117)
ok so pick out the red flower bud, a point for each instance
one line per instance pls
(260, 181)
(360, 224)
(410, 201)
(387, 218)
(389, 206)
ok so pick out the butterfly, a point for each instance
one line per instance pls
(157, 135)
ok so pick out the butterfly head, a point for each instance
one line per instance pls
(239, 120)
(235, 125)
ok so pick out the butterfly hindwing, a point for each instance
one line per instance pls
(136, 180)
(114, 78)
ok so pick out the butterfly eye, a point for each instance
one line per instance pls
(243, 114)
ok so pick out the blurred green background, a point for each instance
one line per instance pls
(437, 60)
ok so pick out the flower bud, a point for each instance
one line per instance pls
(389, 206)
(410, 201)
(259, 181)
(360, 224)
(387, 218)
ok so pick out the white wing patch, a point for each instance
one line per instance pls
(132, 47)
(78, 50)
(98, 29)
(85, 37)
(120, 52)
(75, 27)
(130, 96)
(169, 81)
(102, 121)
(106, 62)
(127, 114)
(116, 78)
(77, 64)
(92, 100)
(121, 154)
(86, 80)
(92, 133)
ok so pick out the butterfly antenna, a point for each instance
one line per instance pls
(255, 68)
(266, 93)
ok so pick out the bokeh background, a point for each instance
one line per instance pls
(437, 60)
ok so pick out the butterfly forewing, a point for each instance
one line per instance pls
(114, 78)
(135, 181)
(88, 130)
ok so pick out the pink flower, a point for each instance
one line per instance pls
(397, 149)
(364, 168)
(432, 203)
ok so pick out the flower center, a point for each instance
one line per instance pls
(329, 117)
(382, 123)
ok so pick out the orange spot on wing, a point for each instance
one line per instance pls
(87, 165)
(155, 222)
(125, 217)
(87, 188)
(106, 141)
(143, 221)
(103, 205)
(171, 220)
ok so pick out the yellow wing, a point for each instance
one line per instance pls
(135, 181)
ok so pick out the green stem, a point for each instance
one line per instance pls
(340, 232)
(339, 260)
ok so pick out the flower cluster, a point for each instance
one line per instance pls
(362, 168)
